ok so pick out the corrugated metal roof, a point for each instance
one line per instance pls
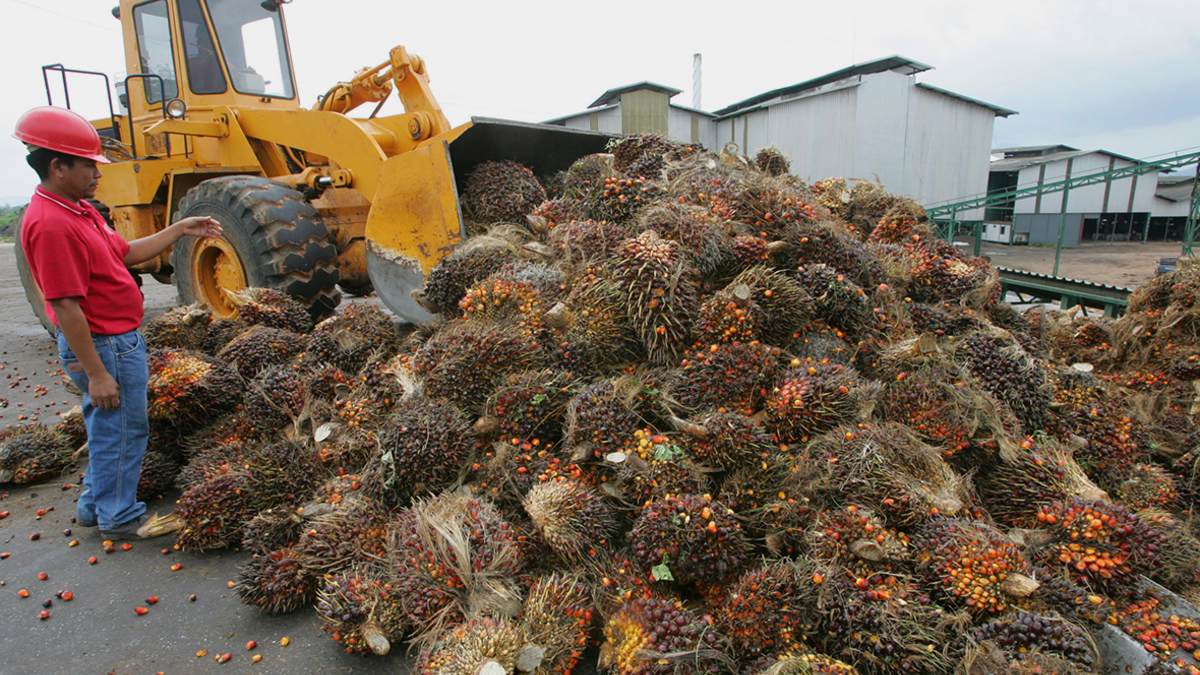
(1000, 112)
(1175, 191)
(1032, 149)
(900, 64)
(564, 118)
(1018, 163)
(614, 95)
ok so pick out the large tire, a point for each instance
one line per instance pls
(272, 237)
(32, 292)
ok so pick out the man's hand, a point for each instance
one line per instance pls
(200, 226)
(104, 392)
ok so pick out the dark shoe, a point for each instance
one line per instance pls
(145, 527)
(84, 522)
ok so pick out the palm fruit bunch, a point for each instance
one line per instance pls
(272, 308)
(809, 397)
(557, 617)
(839, 301)
(179, 328)
(772, 500)
(501, 192)
(360, 610)
(220, 332)
(942, 320)
(587, 175)
(770, 607)
(934, 400)
(736, 376)
(729, 315)
(941, 272)
(829, 244)
(798, 662)
(854, 539)
(772, 162)
(280, 472)
(72, 427)
(688, 538)
(769, 204)
(572, 519)
(556, 209)
(422, 449)
(585, 240)
(694, 228)
(259, 348)
(1145, 486)
(1004, 370)
(1029, 474)
(276, 582)
(450, 556)
(652, 466)
(900, 223)
(887, 468)
(214, 512)
(275, 397)
(158, 474)
(272, 529)
(725, 439)
(529, 408)
(862, 204)
(463, 361)
(590, 329)
(349, 339)
(1180, 570)
(33, 452)
(1020, 633)
(602, 415)
(787, 307)
(661, 293)
(188, 389)
(1099, 543)
(972, 563)
(353, 531)
(476, 647)
(462, 269)
(520, 293)
(505, 472)
(655, 635)
(646, 154)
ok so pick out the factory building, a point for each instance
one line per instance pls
(871, 121)
(1172, 202)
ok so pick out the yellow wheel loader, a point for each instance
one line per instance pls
(209, 123)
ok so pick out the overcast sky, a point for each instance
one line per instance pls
(1121, 76)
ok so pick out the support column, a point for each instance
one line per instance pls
(1062, 221)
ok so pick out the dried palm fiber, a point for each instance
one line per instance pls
(650, 467)
(799, 662)
(528, 407)
(501, 192)
(886, 467)
(725, 440)
(829, 243)
(352, 531)
(1144, 486)
(971, 563)
(1181, 559)
(214, 512)
(700, 234)
(854, 540)
(360, 610)
(33, 452)
(858, 203)
(651, 634)
(259, 348)
(941, 272)
(734, 376)
(809, 397)
(773, 501)
(603, 415)
(272, 529)
(1084, 407)
(900, 223)
(480, 646)
(519, 293)
(688, 539)
(349, 339)
(557, 618)
(157, 476)
(987, 658)
(771, 161)
(1029, 474)
(1002, 368)
(1019, 633)
(1099, 544)
(188, 389)
(591, 329)
(883, 624)
(423, 447)
(838, 301)
(572, 519)
(72, 427)
(183, 327)
(275, 582)
(453, 557)
(660, 291)
(587, 175)
(770, 607)
(1187, 469)
(464, 361)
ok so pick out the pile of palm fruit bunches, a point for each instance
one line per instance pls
(682, 413)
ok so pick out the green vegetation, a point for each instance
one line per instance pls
(8, 217)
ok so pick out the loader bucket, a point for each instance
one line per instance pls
(416, 219)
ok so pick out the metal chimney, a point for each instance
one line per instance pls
(696, 81)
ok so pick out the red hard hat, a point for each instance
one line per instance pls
(60, 130)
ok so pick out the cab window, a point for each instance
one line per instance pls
(154, 50)
(203, 64)
(252, 41)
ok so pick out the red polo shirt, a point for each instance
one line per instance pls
(72, 253)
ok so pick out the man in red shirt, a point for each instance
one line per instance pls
(80, 265)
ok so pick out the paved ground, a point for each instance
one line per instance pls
(98, 631)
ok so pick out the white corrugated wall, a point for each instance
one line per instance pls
(947, 149)
(1089, 199)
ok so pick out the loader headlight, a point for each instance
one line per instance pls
(176, 109)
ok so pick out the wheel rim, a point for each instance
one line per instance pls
(217, 266)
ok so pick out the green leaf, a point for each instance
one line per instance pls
(540, 398)
(665, 451)
(662, 572)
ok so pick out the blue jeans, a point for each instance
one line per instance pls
(116, 438)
